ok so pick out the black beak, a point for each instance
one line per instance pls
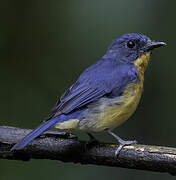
(152, 45)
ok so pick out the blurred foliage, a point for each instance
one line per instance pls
(45, 45)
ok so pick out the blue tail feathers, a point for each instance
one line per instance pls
(35, 133)
(44, 127)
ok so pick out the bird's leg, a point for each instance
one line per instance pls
(92, 141)
(121, 142)
(60, 134)
(91, 137)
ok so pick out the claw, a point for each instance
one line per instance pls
(117, 152)
(121, 142)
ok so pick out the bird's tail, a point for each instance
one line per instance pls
(35, 133)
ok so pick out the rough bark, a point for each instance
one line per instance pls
(53, 147)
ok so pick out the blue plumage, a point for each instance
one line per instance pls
(44, 127)
(35, 133)
(97, 86)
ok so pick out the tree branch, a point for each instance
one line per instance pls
(143, 157)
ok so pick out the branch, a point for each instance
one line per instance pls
(143, 157)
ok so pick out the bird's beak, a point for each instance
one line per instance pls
(152, 45)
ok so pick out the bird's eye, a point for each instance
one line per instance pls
(130, 44)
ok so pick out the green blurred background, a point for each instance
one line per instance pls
(45, 45)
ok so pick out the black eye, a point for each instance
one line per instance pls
(130, 44)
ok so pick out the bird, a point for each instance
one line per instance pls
(105, 95)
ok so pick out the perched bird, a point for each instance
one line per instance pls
(105, 95)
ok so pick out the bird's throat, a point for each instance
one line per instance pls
(142, 62)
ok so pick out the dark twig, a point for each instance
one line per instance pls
(144, 157)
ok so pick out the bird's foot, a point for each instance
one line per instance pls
(121, 142)
(91, 142)
(60, 134)
(92, 139)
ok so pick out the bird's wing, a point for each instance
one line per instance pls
(75, 98)
(90, 87)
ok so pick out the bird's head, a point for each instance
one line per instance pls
(133, 48)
